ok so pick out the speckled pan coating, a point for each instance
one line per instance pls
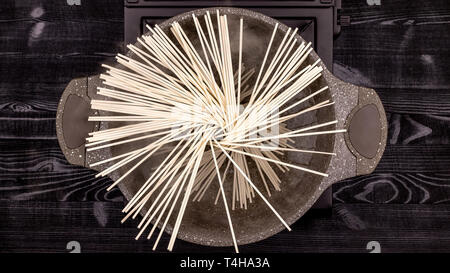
(348, 99)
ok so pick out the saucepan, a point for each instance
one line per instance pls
(358, 151)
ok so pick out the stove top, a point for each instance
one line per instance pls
(318, 21)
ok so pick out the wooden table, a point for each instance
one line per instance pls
(399, 48)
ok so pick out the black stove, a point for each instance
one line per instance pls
(318, 21)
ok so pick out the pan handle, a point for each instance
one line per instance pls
(72, 125)
(366, 134)
(359, 110)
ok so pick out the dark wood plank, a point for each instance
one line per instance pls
(413, 129)
(400, 49)
(29, 115)
(415, 158)
(415, 101)
(37, 170)
(49, 226)
(52, 41)
(394, 188)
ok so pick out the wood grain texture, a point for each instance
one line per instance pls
(399, 48)
(49, 226)
(37, 170)
(399, 188)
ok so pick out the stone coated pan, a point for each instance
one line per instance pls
(357, 109)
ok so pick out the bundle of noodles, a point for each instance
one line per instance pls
(201, 102)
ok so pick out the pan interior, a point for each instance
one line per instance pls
(206, 223)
